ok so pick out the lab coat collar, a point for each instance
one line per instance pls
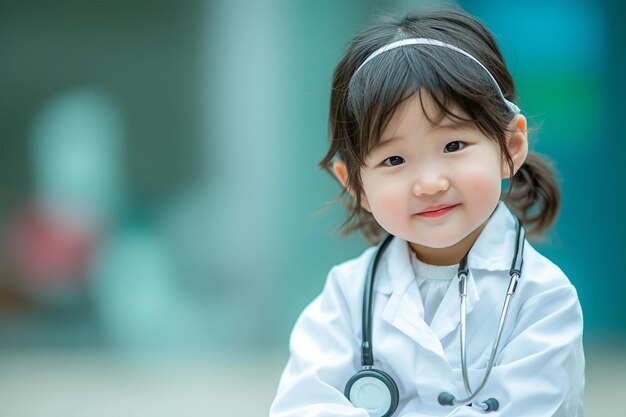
(494, 249)
(397, 272)
(404, 309)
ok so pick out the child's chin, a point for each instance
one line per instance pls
(437, 243)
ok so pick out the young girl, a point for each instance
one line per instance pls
(454, 313)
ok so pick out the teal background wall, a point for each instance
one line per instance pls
(162, 219)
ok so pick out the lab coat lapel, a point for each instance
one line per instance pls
(448, 316)
(405, 310)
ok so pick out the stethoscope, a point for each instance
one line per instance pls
(376, 391)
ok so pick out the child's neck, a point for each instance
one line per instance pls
(446, 256)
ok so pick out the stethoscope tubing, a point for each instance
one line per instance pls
(496, 344)
(445, 398)
(367, 356)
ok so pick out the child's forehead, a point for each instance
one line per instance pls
(427, 111)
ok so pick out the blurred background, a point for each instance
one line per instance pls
(162, 220)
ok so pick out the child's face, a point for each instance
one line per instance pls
(432, 185)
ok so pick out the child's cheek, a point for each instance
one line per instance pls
(482, 181)
(390, 201)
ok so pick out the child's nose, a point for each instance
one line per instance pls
(429, 184)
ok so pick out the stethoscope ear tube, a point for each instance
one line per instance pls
(492, 404)
(518, 259)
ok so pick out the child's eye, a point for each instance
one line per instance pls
(393, 161)
(454, 146)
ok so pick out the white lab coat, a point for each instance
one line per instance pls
(539, 368)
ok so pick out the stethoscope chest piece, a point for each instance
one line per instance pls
(374, 391)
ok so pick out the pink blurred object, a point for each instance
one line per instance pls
(47, 251)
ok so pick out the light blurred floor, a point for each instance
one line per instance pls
(81, 384)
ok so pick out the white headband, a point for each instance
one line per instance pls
(426, 41)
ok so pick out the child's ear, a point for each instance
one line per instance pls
(517, 145)
(341, 172)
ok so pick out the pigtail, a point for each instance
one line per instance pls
(534, 195)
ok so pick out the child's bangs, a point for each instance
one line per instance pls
(380, 86)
